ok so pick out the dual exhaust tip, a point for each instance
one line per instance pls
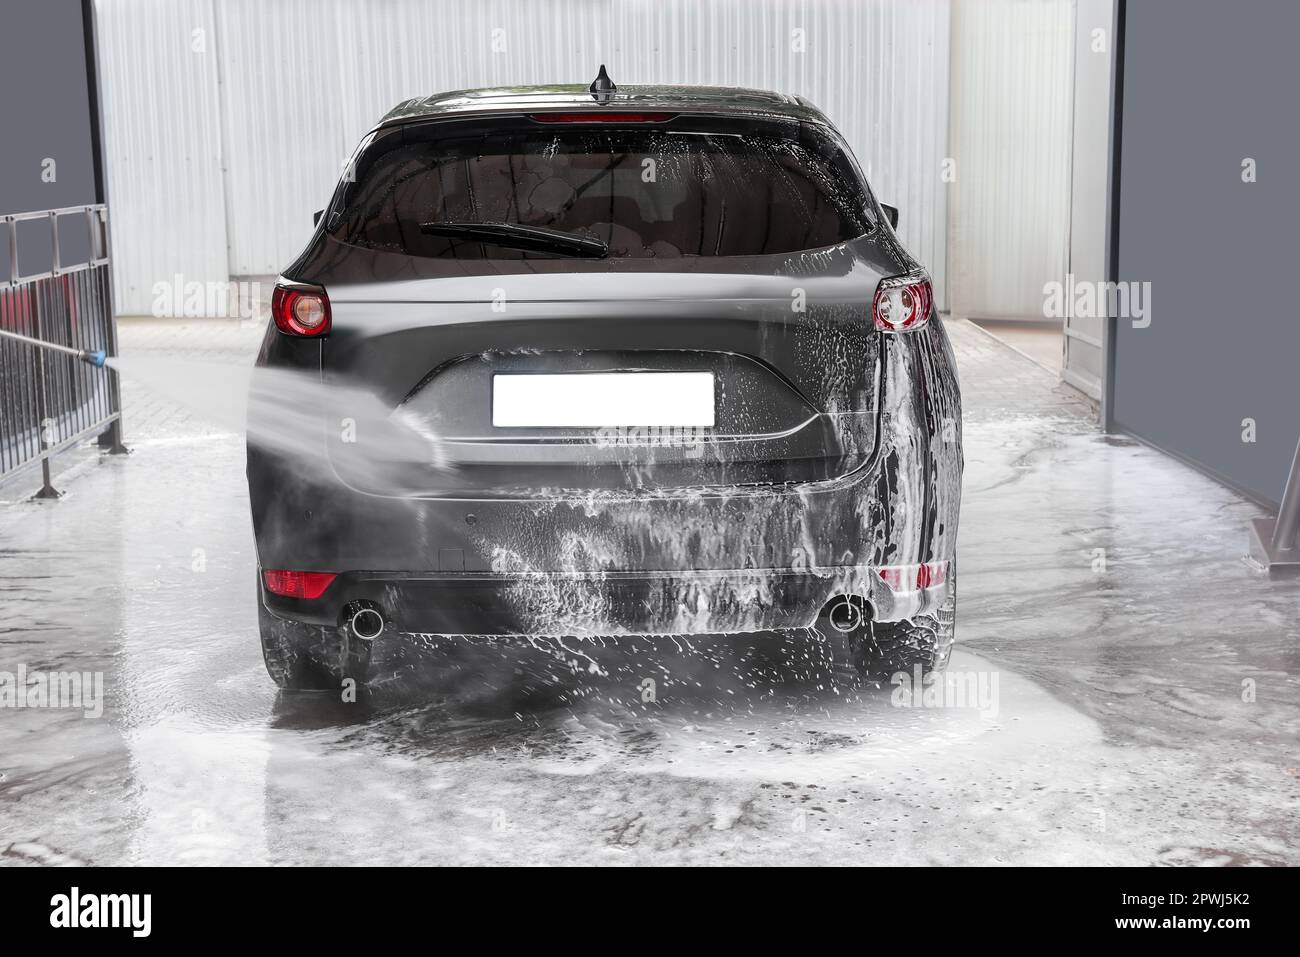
(365, 620)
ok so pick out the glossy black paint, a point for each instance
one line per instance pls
(837, 447)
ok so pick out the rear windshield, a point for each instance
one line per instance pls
(647, 192)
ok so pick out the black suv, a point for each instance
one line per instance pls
(675, 371)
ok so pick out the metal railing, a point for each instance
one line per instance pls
(50, 402)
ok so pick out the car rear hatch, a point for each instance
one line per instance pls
(723, 341)
(789, 398)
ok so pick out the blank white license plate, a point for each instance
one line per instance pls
(598, 399)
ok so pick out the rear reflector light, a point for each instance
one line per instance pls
(907, 578)
(902, 303)
(300, 310)
(600, 117)
(297, 584)
(931, 574)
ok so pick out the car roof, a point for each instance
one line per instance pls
(676, 99)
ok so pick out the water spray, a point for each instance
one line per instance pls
(94, 357)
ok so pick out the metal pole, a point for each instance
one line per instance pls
(42, 400)
(112, 439)
(12, 222)
(1288, 515)
(56, 265)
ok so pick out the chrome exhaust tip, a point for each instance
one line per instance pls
(847, 613)
(366, 622)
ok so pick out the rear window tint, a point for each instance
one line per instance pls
(646, 192)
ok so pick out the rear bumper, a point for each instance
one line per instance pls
(726, 601)
(679, 561)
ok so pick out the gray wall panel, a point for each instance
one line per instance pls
(46, 108)
(1207, 84)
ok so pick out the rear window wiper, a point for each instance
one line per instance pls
(519, 236)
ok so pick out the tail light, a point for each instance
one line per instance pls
(931, 574)
(297, 584)
(600, 117)
(300, 309)
(902, 303)
(906, 578)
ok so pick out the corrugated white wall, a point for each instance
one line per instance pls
(285, 88)
(1012, 87)
(162, 145)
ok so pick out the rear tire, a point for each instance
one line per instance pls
(303, 657)
(877, 650)
(890, 647)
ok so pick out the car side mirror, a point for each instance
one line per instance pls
(891, 214)
(315, 217)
